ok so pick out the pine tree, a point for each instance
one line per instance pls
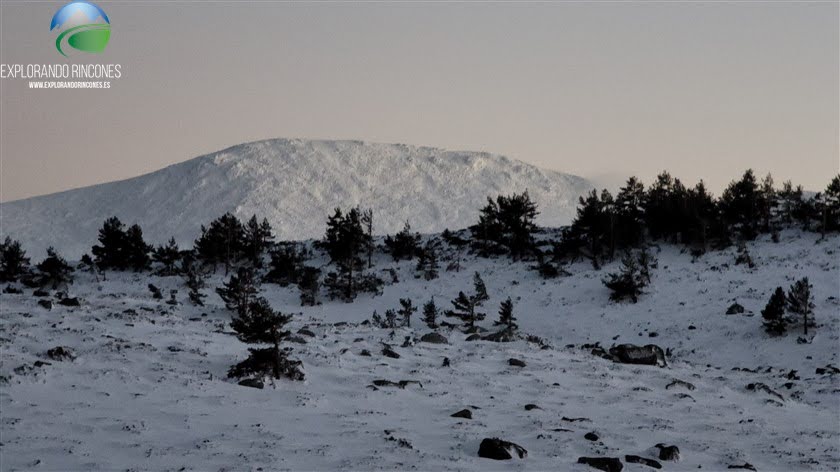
(832, 205)
(427, 261)
(629, 207)
(110, 253)
(344, 241)
(431, 313)
(403, 245)
(167, 256)
(767, 202)
(774, 313)
(628, 282)
(507, 223)
(135, 250)
(13, 261)
(194, 279)
(258, 323)
(740, 204)
(506, 317)
(407, 309)
(256, 238)
(465, 305)
(309, 286)
(799, 301)
(286, 264)
(54, 270)
(222, 242)
(367, 222)
(239, 291)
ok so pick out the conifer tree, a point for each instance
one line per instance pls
(256, 238)
(367, 223)
(427, 261)
(309, 286)
(54, 270)
(774, 313)
(135, 249)
(194, 279)
(508, 223)
(344, 241)
(222, 242)
(286, 264)
(13, 261)
(167, 256)
(407, 309)
(431, 313)
(403, 245)
(110, 253)
(628, 282)
(740, 204)
(506, 318)
(629, 207)
(239, 291)
(832, 205)
(465, 305)
(799, 301)
(258, 323)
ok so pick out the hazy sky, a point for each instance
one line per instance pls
(702, 89)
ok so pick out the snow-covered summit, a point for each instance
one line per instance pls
(294, 183)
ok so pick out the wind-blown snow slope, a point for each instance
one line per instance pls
(295, 184)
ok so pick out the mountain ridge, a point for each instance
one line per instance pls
(294, 183)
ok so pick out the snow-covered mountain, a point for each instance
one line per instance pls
(295, 184)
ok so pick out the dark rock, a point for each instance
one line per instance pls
(12, 290)
(531, 406)
(306, 332)
(607, 464)
(474, 337)
(500, 450)
(156, 294)
(40, 293)
(653, 334)
(475, 330)
(296, 340)
(680, 383)
(465, 413)
(46, 304)
(735, 309)
(60, 353)
(253, 383)
(445, 362)
(401, 384)
(365, 353)
(516, 362)
(388, 352)
(692, 327)
(668, 453)
(760, 387)
(434, 338)
(746, 466)
(70, 302)
(643, 461)
(590, 436)
(650, 354)
(503, 336)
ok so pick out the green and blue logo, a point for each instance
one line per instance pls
(82, 26)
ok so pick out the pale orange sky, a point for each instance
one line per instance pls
(704, 90)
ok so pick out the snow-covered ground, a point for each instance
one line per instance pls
(295, 184)
(147, 389)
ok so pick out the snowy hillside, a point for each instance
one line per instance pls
(147, 388)
(295, 184)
